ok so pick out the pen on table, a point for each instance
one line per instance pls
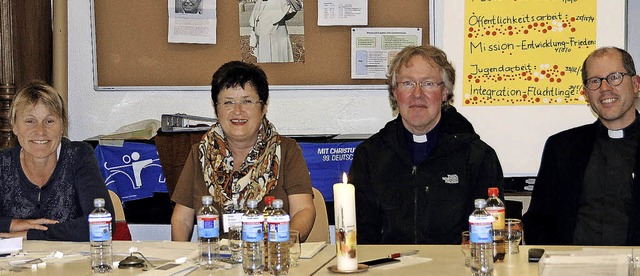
(400, 254)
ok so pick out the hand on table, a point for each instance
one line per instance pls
(22, 234)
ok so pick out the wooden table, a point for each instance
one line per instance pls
(447, 260)
(157, 252)
(442, 259)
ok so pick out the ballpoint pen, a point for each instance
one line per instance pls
(400, 254)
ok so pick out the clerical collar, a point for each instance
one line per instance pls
(420, 138)
(421, 146)
(615, 134)
(621, 133)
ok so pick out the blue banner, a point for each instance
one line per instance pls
(132, 171)
(327, 162)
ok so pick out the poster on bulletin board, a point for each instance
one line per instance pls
(373, 48)
(526, 52)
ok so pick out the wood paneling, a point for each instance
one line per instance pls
(25, 52)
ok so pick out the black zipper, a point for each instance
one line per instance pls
(415, 204)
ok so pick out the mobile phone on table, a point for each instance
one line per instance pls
(379, 262)
(535, 254)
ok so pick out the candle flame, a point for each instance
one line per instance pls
(344, 178)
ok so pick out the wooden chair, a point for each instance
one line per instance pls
(320, 230)
(121, 232)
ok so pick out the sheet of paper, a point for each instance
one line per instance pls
(189, 24)
(11, 245)
(404, 261)
(310, 249)
(373, 48)
(343, 12)
(585, 264)
(160, 250)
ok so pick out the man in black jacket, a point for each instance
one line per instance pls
(417, 178)
(587, 190)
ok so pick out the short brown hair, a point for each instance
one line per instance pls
(432, 55)
(627, 60)
(38, 92)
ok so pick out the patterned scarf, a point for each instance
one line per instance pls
(257, 175)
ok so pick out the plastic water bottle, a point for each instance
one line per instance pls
(266, 212)
(208, 234)
(252, 239)
(481, 236)
(100, 237)
(495, 207)
(278, 240)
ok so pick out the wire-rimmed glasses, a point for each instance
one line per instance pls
(246, 103)
(425, 86)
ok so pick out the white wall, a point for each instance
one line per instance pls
(517, 133)
(633, 31)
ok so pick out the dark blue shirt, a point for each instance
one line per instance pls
(420, 151)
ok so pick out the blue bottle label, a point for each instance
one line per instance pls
(481, 229)
(208, 226)
(278, 228)
(252, 229)
(99, 227)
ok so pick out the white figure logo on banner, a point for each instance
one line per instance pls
(133, 161)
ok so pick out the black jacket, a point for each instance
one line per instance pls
(552, 214)
(399, 203)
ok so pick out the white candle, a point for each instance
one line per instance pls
(344, 206)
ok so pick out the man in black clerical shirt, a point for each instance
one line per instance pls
(416, 178)
(587, 192)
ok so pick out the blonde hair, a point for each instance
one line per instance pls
(38, 92)
(430, 54)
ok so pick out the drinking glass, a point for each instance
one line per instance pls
(294, 247)
(466, 248)
(235, 243)
(634, 263)
(513, 235)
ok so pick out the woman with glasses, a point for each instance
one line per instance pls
(416, 178)
(242, 157)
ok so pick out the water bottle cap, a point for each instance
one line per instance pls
(480, 203)
(493, 191)
(268, 200)
(98, 202)
(277, 203)
(207, 200)
(252, 203)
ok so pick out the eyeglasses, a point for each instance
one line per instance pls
(426, 86)
(613, 79)
(228, 105)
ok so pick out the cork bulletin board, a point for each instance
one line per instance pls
(131, 48)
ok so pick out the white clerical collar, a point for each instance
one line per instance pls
(615, 134)
(420, 138)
